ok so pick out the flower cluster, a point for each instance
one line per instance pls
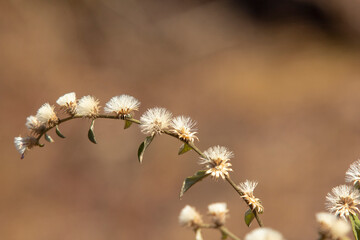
(343, 201)
(216, 160)
(247, 188)
(330, 227)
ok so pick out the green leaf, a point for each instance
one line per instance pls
(127, 124)
(190, 181)
(91, 134)
(355, 224)
(58, 132)
(249, 217)
(48, 138)
(143, 147)
(184, 148)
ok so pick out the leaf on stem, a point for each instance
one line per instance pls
(223, 235)
(58, 132)
(184, 148)
(127, 124)
(48, 138)
(143, 147)
(355, 224)
(190, 181)
(91, 134)
(249, 217)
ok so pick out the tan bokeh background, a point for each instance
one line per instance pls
(278, 84)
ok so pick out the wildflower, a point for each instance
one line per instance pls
(88, 106)
(248, 188)
(331, 227)
(343, 201)
(219, 212)
(183, 128)
(353, 173)
(216, 161)
(155, 121)
(68, 103)
(23, 144)
(34, 125)
(189, 217)
(122, 106)
(264, 234)
(46, 115)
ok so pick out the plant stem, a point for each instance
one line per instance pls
(231, 182)
(224, 230)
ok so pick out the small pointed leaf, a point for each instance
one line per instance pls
(58, 132)
(190, 181)
(355, 224)
(41, 145)
(48, 138)
(143, 147)
(127, 124)
(91, 134)
(223, 236)
(249, 217)
(184, 148)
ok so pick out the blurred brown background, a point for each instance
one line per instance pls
(275, 81)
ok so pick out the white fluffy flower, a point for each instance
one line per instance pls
(216, 161)
(155, 121)
(248, 188)
(46, 115)
(23, 144)
(331, 227)
(218, 211)
(34, 125)
(183, 127)
(353, 173)
(123, 105)
(343, 201)
(68, 103)
(189, 217)
(264, 234)
(88, 106)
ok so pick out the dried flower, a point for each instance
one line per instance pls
(189, 217)
(216, 161)
(34, 125)
(353, 173)
(248, 188)
(122, 106)
(264, 234)
(88, 106)
(46, 115)
(343, 201)
(23, 144)
(155, 121)
(68, 103)
(183, 127)
(218, 211)
(330, 227)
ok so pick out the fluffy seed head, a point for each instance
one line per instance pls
(353, 173)
(68, 103)
(218, 211)
(189, 217)
(248, 188)
(123, 105)
(343, 201)
(24, 143)
(34, 125)
(184, 128)
(46, 115)
(216, 161)
(330, 227)
(88, 106)
(155, 121)
(264, 234)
